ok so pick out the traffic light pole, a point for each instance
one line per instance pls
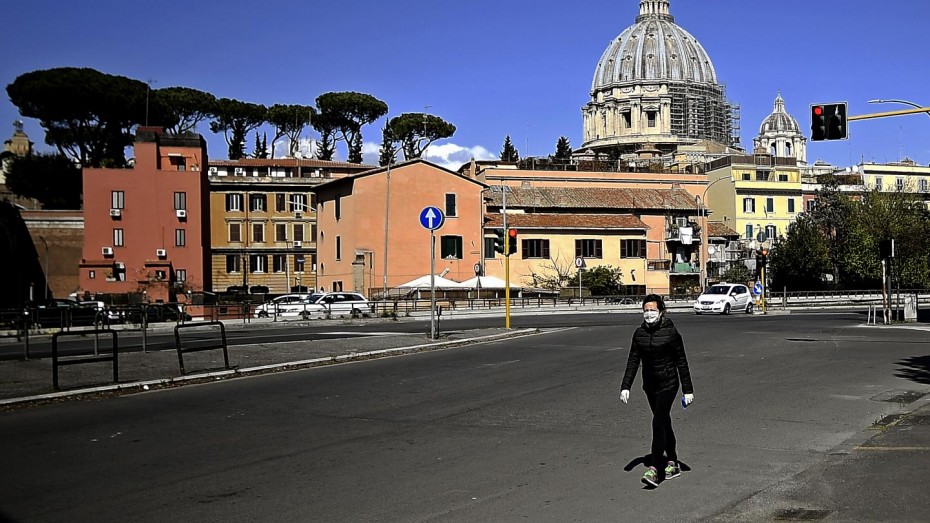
(506, 262)
(889, 113)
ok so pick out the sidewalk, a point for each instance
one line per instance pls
(25, 383)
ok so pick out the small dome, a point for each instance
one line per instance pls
(654, 48)
(780, 121)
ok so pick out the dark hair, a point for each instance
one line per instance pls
(660, 303)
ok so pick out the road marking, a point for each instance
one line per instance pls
(891, 448)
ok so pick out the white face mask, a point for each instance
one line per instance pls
(651, 316)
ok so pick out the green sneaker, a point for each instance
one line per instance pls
(672, 470)
(651, 477)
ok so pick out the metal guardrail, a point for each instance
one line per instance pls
(211, 345)
(58, 361)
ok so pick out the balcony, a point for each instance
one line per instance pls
(685, 268)
(683, 234)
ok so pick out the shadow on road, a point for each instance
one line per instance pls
(915, 368)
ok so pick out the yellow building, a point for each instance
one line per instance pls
(905, 175)
(263, 222)
(757, 195)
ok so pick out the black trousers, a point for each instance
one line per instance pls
(663, 437)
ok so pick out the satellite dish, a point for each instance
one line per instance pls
(711, 249)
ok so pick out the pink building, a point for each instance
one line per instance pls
(146, 227)
(370, 235)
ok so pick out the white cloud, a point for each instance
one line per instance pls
(448, 155)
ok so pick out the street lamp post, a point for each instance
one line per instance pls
(896, 101)
(704, 230)
(46, 266)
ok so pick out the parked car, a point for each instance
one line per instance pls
(286, 305)
(59, 312)
(336, 303)
(723, 298)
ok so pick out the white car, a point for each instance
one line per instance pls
(723, 298)
(286, 305)
(344, 303)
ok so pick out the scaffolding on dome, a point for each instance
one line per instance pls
(700, 112)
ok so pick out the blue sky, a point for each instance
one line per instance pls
(517, 67)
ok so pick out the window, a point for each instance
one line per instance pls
(811, 205)
(179, 162)
(280, 232)
(749, 232)
(899, 184)
(923, 185)
(313, 201)
(180, 237)
(298, 232)
(180, 275)
(337, 286)
(313, 232)
(747, 177)
(632, 248)
(338, 247)
(280, 202)
(279, 262)
(180, 201)
(92, 274)
(450, 205)
(770, 205)
(451, 247)
(771, 232)
(232, 263)
(117, 200)
(651, 118)
(298, 202)
(299, 262)
(791, 205)
(783, 177)
(627, 120)
(589, 248)
(233, 202)
(489, 252)
(878, 182)
(762, 176)
(118, 238)
(532, 248)
(160, 274)
(258, 232)
(235, 232)
(337, 207)
(749, 205)
(258, 202)
(258, 263)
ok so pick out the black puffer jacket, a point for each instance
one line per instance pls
(660, 348)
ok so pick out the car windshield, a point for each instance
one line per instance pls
(717, 289)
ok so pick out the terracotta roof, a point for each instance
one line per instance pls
(718, 229)
(596, 198)
(378, 170)
(566, 221)
(289, 162)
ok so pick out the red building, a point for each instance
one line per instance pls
(146, 227)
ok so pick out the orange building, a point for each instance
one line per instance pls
(145, 227)
(370, 237)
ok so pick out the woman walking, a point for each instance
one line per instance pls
(658, 345)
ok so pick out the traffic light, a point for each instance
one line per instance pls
(511, 241)
(828, 122)
(499, 241)
(762, 257)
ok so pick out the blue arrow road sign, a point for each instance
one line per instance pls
(431, 218)
(757, 288)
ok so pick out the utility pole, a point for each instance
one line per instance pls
(506, 262)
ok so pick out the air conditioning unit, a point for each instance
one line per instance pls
(161, 253)
(298, 244)
(182, 213)
(116, 213)
(239, 171)
(120, 265)
(107, 251)
(214, 170)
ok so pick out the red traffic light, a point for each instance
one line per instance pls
(512, 233)
(818, 110)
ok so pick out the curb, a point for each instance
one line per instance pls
(206, 377)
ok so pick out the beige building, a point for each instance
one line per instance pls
(651, 234)
(263, 221)
(755, 194)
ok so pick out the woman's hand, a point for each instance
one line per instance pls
(688, 398)
(624, 395)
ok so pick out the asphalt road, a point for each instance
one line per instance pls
(528, 429)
